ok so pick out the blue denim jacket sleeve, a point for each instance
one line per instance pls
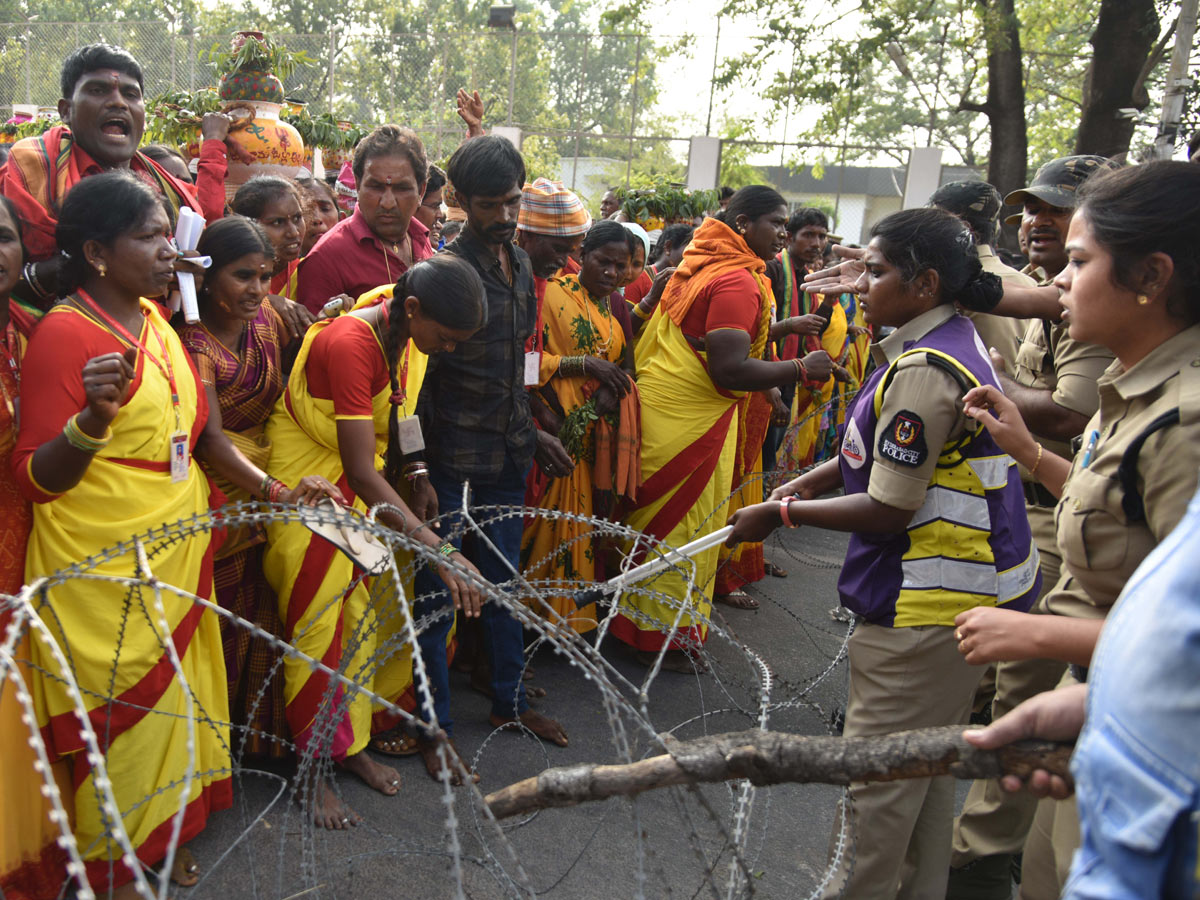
(1137, 764)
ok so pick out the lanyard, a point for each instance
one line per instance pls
(537, 328)
(14, 367)
(122, 333)
(400, 396)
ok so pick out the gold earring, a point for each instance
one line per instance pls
(102, 269)
(741, 230)
(410, 315)
(1143, 299)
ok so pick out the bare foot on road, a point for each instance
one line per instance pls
(328, 810)
(545, 728)
(382, 778)
(428, 748)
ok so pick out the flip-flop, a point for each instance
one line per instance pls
(395, 745)
(737, 599)
(184, 871)
(773, 570)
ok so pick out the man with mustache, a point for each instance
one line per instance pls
(475, 414)
(383, 238)
(1053, 384)
(103, 116)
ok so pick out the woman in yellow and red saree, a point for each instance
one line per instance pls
(339, 417)
(699, 354)
(32, 865)
(113, 413)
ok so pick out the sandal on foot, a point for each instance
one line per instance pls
(773, 570)
(184, 871)
(737, 599)
(395, 745)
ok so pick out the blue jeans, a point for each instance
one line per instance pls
(502, 633)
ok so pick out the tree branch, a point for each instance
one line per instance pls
(1141, 98)
(769, 757)
(965, 105)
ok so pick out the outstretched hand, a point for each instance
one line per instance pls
(839, 279)
(470, 110)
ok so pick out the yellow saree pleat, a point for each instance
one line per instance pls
(689, 435)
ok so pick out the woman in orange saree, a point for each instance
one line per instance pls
(113, 414)
(697, 356)
(583, 382)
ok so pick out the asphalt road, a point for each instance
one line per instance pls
(403, 848)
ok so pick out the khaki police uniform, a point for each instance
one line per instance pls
(1102, 545)
(1002, 332)
(911, 677)
(993, 821)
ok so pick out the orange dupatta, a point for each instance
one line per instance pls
(716, 250)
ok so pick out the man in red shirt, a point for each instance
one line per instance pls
(382, 238)
(104, 116)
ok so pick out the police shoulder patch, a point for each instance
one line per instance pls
(903, 440)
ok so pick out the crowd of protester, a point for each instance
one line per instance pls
(1009, 451)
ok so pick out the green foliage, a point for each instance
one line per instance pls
(173, 117)
(258, 55)
(865, 96)
(32, 128)
(575, 432)
(666, 201)
(736, 170)
(324, 130)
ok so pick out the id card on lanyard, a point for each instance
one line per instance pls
(533, 358)
(180, 450)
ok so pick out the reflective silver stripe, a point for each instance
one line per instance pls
(1019, 579)
(952, 506)
(971, 578)
(992, 471)
(952, 574)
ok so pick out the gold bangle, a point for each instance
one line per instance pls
(1037, 462)
(81, 440)
(640, 313)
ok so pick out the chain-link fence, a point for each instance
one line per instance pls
(593, 109)
(581, 93)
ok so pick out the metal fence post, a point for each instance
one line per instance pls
(637, 65)
(332, 54)
(28, 63)
(587, 42)
(192, 60)
(512, 76)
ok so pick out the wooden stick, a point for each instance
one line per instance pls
(769, 757)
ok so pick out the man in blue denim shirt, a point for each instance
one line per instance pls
(1137, 760)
